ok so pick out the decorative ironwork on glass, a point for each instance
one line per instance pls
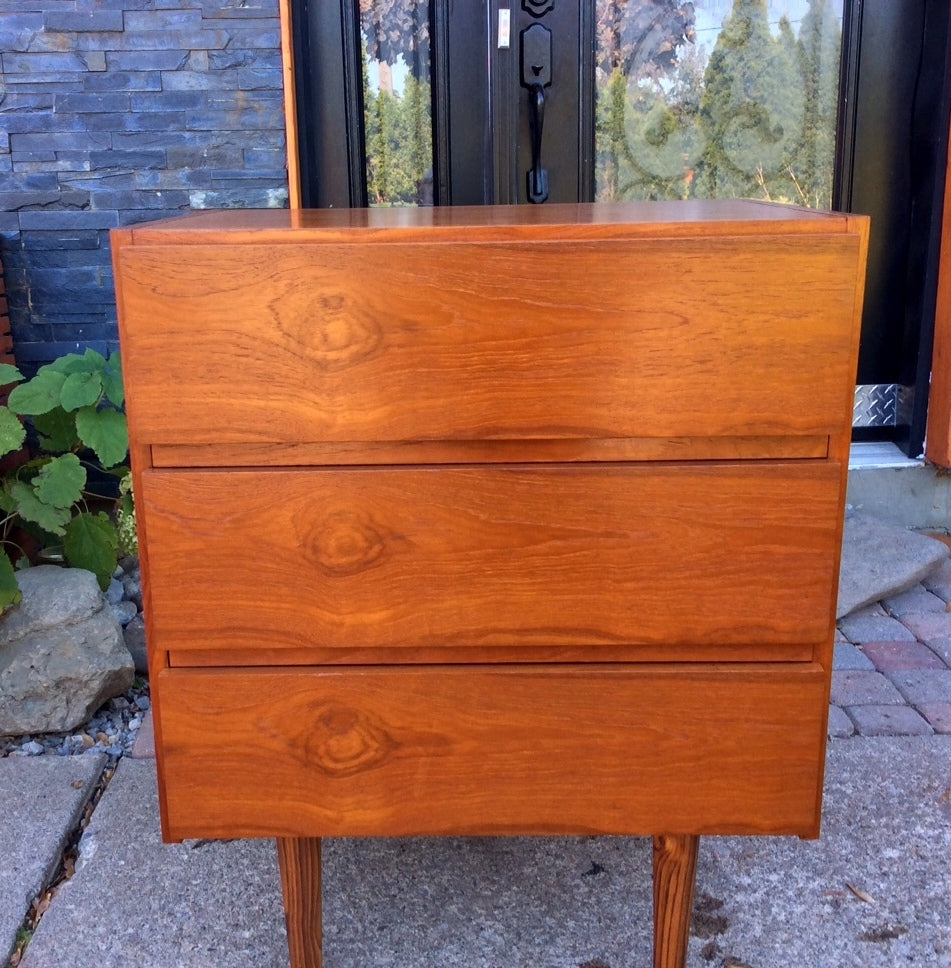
(538, 8)
(717, 99)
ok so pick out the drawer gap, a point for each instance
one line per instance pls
(534, 450)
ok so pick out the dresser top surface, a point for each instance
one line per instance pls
(498, 222)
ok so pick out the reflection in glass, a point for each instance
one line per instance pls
(717, 99)
(397, 101)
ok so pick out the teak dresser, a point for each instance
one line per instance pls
(491, 521)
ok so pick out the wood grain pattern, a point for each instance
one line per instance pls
(451, 654)
(391, 751)
(708, 556)
(299, 861)
(289, 84)
(938, 448)
(461, 223)
(491, 521)
(575, 450)
(675, 869)
(678, 337)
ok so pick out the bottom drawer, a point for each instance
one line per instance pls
(465, 750)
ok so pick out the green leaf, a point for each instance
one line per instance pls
(9, 374)
(7, 502)
(112, 386)
(12, 431)
(9, 589)
(88, 362)
(105, 432)
(39, 395)
(80, 390)
(57, 431)
(51, 519)
(91, 542)
(60, 481)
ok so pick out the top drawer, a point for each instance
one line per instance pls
(391, 341)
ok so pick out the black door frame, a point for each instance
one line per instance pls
(891, 159)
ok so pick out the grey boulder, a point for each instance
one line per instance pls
(880, 560)
(62, 653)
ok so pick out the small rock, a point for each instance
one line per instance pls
(129, 564)
(32, 748)
(134, 636)
(125, 612)
(115, 592)
(132, 584)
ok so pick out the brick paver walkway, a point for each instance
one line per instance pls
(892, 670)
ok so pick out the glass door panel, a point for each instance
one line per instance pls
(717, 99)
(397, 101)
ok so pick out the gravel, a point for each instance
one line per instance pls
(112, 730)
(113, 727)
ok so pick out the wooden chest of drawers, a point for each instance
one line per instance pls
(491, 521)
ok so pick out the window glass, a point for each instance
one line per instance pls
(397, 101)
(717, 99)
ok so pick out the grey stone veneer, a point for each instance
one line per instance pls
(119, 111)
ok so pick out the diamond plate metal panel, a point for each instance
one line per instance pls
(876, 405)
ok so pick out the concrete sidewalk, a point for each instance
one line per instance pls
(873, 892)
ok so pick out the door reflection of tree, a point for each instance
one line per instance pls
(755, 117)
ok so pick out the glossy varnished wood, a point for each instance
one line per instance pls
(938, 446)
(321, 354)
(494, 749)
(460, 223)
(299, 862)
(498, 520)
(535, 450)
(498, 556)
(675, 869)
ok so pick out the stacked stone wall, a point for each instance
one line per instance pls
(114, 112)
(6, 340)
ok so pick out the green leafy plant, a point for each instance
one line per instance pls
(74, 407)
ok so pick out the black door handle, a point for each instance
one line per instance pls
(537, 176)
(536, 76)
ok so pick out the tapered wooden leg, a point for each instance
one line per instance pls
(675, 872)
(299, 860)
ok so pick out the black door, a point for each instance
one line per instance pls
(496, 83)
(826, 103)
(891, 166)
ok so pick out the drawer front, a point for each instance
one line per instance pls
(394, 341)
(479, 750)
(722, 561)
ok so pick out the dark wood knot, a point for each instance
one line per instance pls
(346, 741)
(330, 332)
(346, 543)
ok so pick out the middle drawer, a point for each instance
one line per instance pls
(647, 561)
